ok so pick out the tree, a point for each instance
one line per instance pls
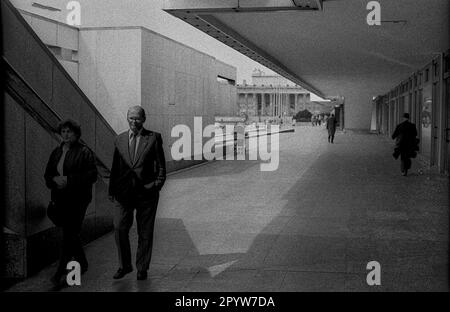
(304, 115)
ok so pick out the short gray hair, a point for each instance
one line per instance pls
(138, 109)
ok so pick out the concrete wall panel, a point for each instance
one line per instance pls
(154, 48)
(225, 70)
(104, 142)
(87, 120)
(170, 89)
(181, 92)
(87, 64)
(46, 30)
(71, 68)
(32, 60)
(117, 72)
(66, 98)
(67, 37)
(51, 32)
(153, 88)
(357, 111)
(14, 156)
(39, 145)
(28, 18)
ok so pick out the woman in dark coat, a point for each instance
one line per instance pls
(70, 173)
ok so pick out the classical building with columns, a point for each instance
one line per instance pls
(272, 96)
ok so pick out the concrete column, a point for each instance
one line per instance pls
(245, 103)
(296, 103)
(270, 105)
(274, 103)
(278, 98)
(277, 103)
(263, 104)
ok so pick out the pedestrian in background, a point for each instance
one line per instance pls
(331, 127)
(406, 147)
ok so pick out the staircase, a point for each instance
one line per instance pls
(37, 94)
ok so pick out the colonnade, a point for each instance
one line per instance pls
(275, 103)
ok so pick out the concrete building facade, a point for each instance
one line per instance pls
(118, 67)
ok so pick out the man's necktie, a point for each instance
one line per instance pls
(132, 147)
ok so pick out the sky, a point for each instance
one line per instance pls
(149, 14)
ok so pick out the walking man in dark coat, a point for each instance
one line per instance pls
(406, 146)
(137, 175)
(331, 127)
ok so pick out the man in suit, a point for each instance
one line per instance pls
(331, 127)
(405, 133)
(137, 175)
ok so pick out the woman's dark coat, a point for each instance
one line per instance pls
(81, 171)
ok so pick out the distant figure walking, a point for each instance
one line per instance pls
(319, 119)
(406, 143)
(331, 127)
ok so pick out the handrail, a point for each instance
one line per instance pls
(17, 87)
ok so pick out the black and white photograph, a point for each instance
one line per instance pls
(225, 152)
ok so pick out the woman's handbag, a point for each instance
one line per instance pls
(54, 213)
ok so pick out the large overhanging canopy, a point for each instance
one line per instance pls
(327, 46)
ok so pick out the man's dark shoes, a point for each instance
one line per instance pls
(141, 275)
(121, 272)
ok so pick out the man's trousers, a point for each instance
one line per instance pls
(405, 162)
(145, 218)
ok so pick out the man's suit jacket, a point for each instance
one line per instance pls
(128, 178)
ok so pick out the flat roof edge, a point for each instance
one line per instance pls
(96, 28)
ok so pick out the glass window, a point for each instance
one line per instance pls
(426, 115)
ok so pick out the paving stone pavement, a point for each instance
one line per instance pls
(311, 225)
